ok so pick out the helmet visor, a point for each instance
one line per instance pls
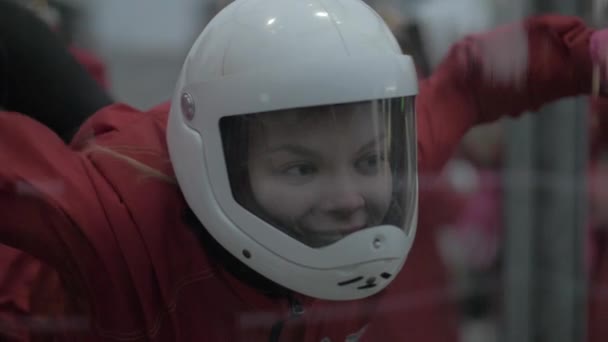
(322, 173)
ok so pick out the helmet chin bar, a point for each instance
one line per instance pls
(347, 283)
(385, 249)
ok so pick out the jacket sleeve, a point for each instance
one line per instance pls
(45, 193)
(504, 72)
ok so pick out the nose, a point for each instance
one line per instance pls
(343, 203)
(343, 197)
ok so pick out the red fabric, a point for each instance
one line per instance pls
(135, 270)
(558, 65)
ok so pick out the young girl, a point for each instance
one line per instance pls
(291, 139)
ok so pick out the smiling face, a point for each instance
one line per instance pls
(321, 175)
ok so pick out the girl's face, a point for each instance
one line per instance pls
(323, 175)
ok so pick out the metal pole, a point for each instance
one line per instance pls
(545, 219)
(545, 216)
(518, 316)
(561, 141)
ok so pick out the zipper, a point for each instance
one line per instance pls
(296, 309)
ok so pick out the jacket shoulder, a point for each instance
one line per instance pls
(121, 117)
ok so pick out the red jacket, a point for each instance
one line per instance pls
(135, 269)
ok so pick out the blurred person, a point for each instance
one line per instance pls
(297, 240)
(34, 69)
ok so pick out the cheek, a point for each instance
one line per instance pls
(380, 192)
(281, 201)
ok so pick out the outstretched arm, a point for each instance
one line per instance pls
(47, 200)
(507, 71)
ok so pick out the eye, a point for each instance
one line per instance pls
(370, 163)
(300, 170)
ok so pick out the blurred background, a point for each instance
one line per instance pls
(517, 233)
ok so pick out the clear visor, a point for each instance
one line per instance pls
(321, 173)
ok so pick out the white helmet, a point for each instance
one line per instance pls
(292, 136)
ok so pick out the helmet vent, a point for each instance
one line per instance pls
(367, 286)
(369, 282)
(348, 282)
(246, 254)
(187, 104)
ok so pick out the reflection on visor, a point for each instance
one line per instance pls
(322, 173)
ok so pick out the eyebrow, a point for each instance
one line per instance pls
(371, 143)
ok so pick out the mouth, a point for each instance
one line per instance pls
(328, 233)
(320, 239)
